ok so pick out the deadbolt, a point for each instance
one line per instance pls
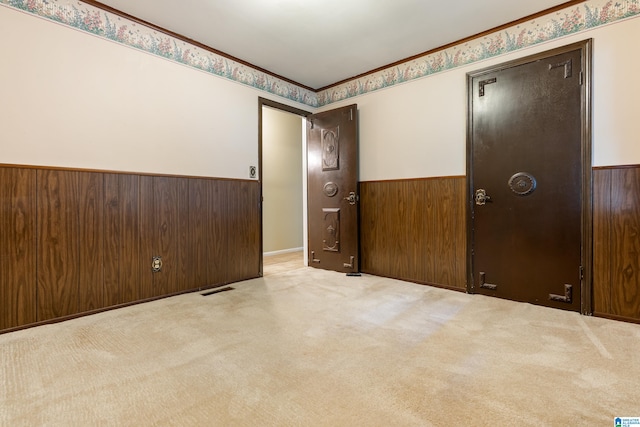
(482, 197)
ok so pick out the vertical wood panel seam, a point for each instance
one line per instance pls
(104, 240)
(37, 241)
(78, 206)
(609, 223)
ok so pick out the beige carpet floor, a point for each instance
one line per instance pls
(306, 347)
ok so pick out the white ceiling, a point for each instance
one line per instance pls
(320, 42)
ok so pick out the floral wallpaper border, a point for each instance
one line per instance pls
(84, 17)
(110, 26)
(571, 20)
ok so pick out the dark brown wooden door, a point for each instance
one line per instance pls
(333, 189)
(526, 179)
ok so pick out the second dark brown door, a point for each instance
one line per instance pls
(333, 189)
(526, 180)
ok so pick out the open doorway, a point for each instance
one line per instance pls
(282, 174)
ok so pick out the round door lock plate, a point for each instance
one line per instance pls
(330, 189)
(522, 183)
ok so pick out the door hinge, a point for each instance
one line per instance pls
(581, 273)
(350, 264)
(311, 123)
(566, 65)
(484, 284)
(581, 78)
(483, 83)
(351, 114)
(567, 297)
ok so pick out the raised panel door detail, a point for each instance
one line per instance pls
(331, 236)
(331, 149)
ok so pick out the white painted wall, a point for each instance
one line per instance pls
(75, 100)
(282, 180)
(71, 99)
(418, 129)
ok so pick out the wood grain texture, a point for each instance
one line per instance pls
(147, 236)
(122, 239)
(602, 241)
(90, 241)
(243, 225)
(411, 229)
(392, 233)
(625, 242)
(415, 230)
(422, 206)
(17, 247)
(207, 233)
(165, 238)
(172, 214)
(183, 279)
(78, 241)
(219, 238)
(58, 245)
(164, 215)
(199, 230)
(453, 241)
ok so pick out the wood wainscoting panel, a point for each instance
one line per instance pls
(381, 239)
(625, 242)
(217, 244)
(91, 241)
(415, 230)
(58, 251)
(616, 242)
(183, 274)
(243, 227)
(17, 247)
(70, 239)
(602, 241)
(448, 199)
(164, 223)
(122, 239)
(164, 215)
(207, 234)
(75, 241)
(371, 257)
(199, 230)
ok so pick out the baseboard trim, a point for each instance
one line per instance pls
(418, 282)
(616, 317)
(283, 251)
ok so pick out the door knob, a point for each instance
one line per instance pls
(482, 197)
(351, 198)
